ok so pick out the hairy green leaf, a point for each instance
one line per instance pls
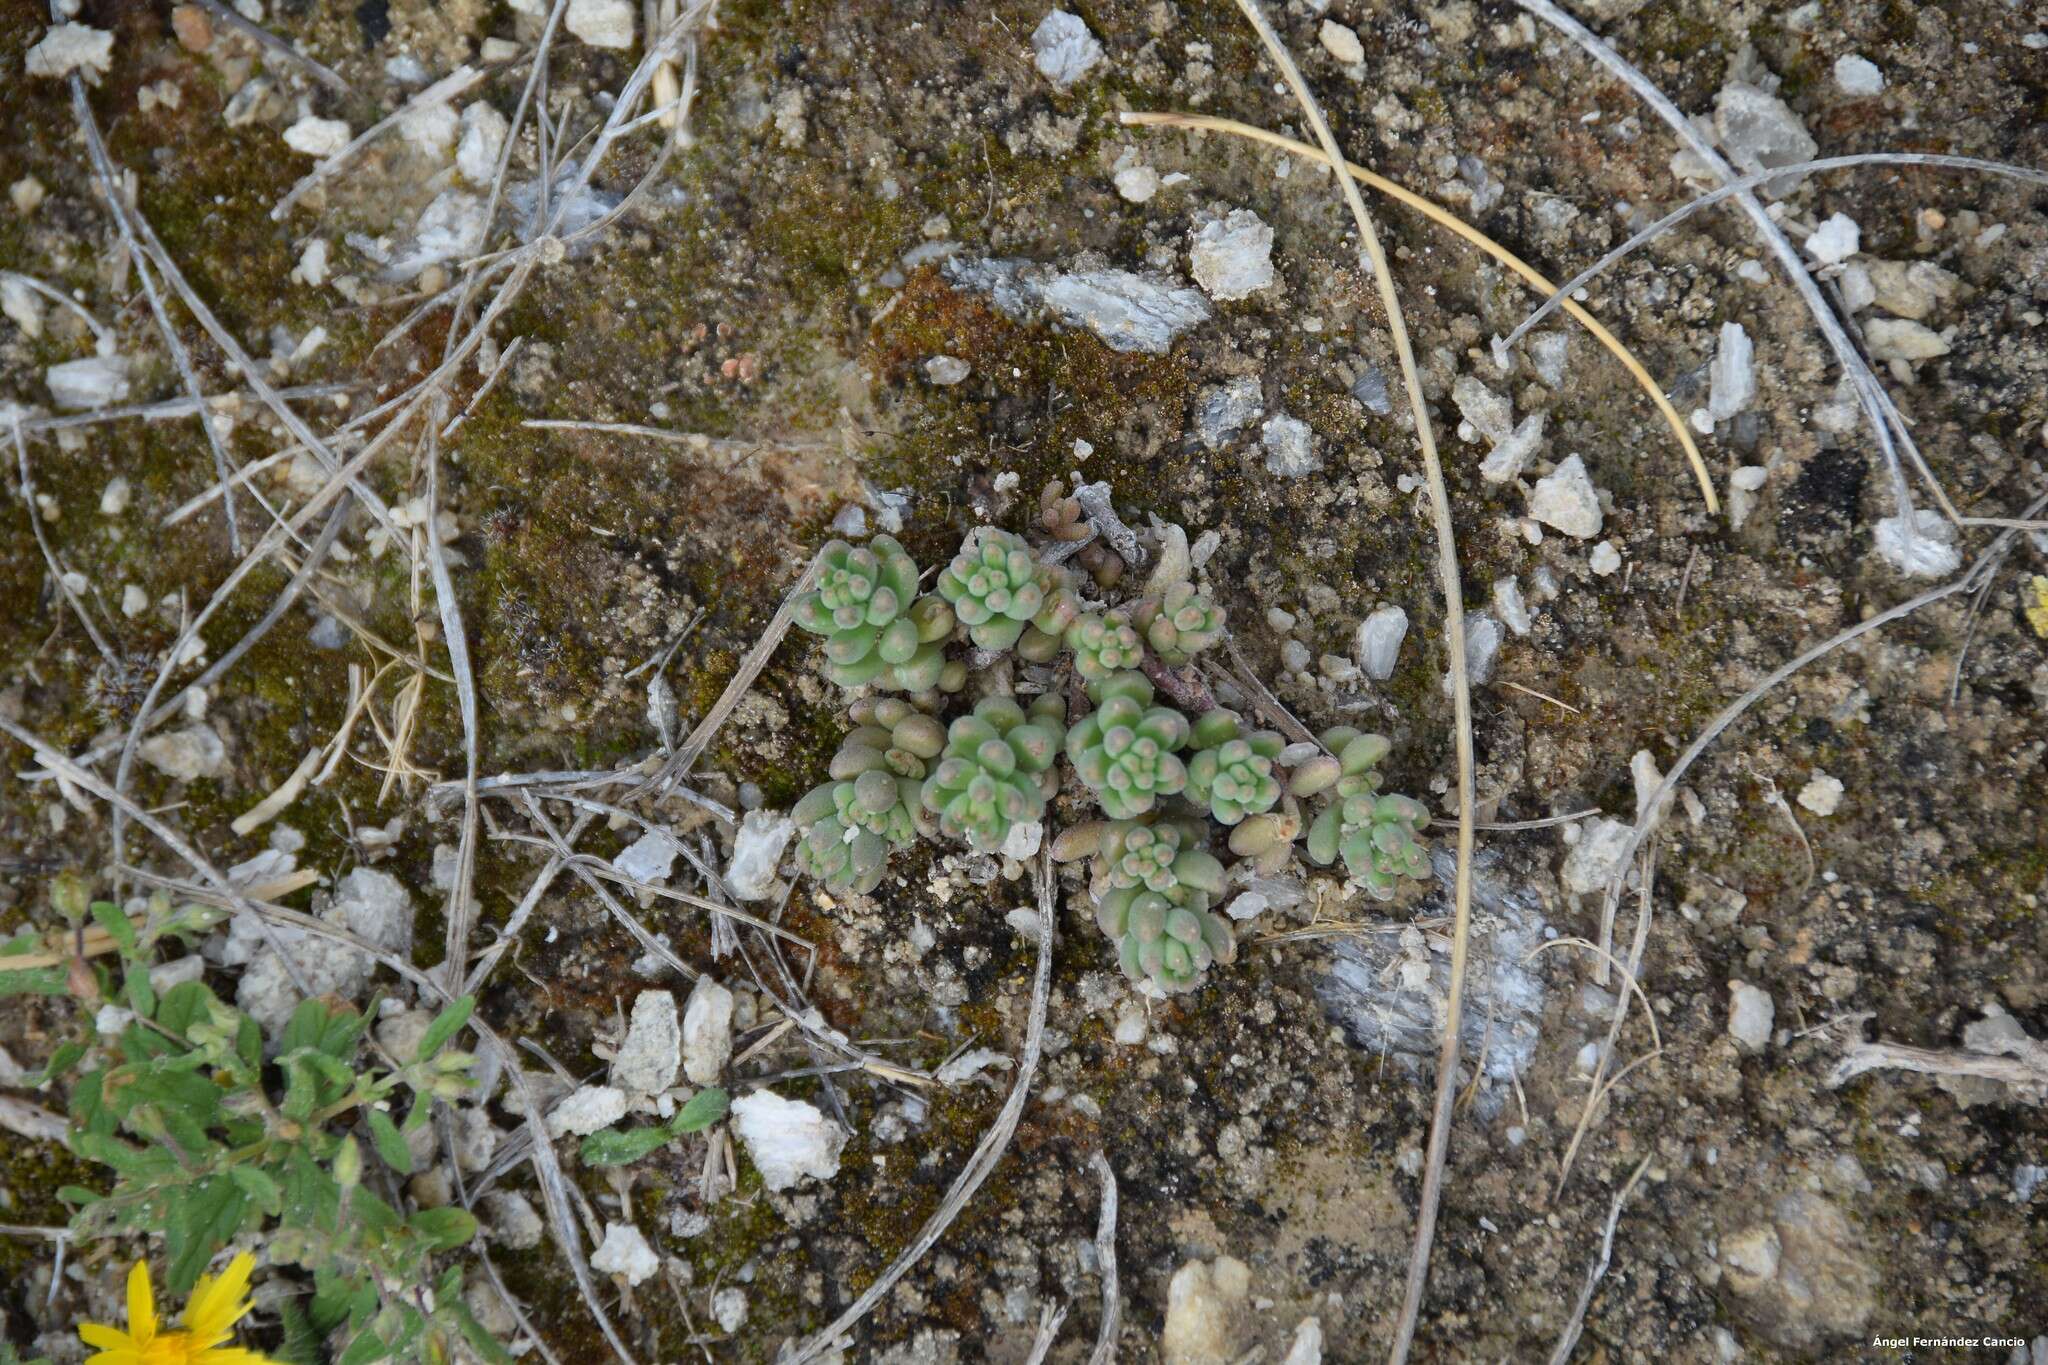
(389, 1142)
(445, 1026)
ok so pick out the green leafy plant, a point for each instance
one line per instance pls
(1180, 623)
(1104, 646)
(996, 770)
(1375, 834)
(873, 804)
(997, 588)
(877, 630)
(1125, 749)
(1231, 768)
(210, 1131)
(623, 1146)
(1153, 886)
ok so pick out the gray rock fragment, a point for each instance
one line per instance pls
(653, 1047)
(1225, 409)
(707, 1032)
(188, 754)
(1732, 373)
(1377, 645)
(1290, 447)
(1128, 311)
(1758, 131)
(1232, 257)
(1750, 1015)
(1065, 49)
(1370, 389)
(1566, 500)
(756, 853)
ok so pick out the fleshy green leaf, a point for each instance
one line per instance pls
(619, 1146)
(704, 1108)
(444, 1229)
(445, 1026)
(389, 1143)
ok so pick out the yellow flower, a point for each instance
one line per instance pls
(217, 1304)
(2035, 598)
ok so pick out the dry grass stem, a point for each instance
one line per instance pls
(1570, 1337)
(1443, 217)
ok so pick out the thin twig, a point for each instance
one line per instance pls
(440, 92)
(1105, 1258)
(228, 15)
(1570, 1337)
(987, 1152)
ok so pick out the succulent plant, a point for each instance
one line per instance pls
(998, 588)
(995, 771)
(1125, 750)
(1231, 769)
(1375, 834)
(1059, 512)
(1180, 623)
(1154, 885)
(872, 806)
(1104, 645)
(876, 628)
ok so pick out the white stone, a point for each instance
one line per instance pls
(1858, 76)
(1232, 257)
(1565, 500)
(1597, 856)
(586, 1110)
(1023, 840)
(946, 369)
(22, 306)
(511, 1221)
(1205, 1308)
(311, 270)
(729, 1309)
(1307, 1346)
(321, 137)
(1822, 794)
(93, 382)
(625, 1253)
(1835, 241)
(650, 858)
(1911, 289)
(653, 1047)
(1547, 355)
(1605, 559)
(1341, 43)
(1758, 131)
(1226, 409)
(970, 1064)
(114, 497)
(1377, 645)
(707, 1032)
(1290, 447)
(1489, 413)
(1902, 339)
(134, 601)
(789, 1141)
(1482, 648)
(1509, 605)
(1127, 310)
(1743, 484)
(68, 48)
(188, 754)
(432, 127)
(1858, 291)
(1750, 1015)
(1137, 184)
(449, 228)
(1732, 373)
(1065, 49)
(483, 140)
(756, 853)
(372, 905)
(1521, 445)
(601, 23)
(1924, 549)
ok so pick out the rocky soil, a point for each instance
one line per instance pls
(908, 269)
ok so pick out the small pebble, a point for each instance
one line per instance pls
(1605, 559)
(1858, 76)
(1750, 1015)
(1822, 794)
(1342, 43)
(946, 369)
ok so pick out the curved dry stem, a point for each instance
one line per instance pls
(1461, 682)
(1446, 219)
(1868, 390)
(1560, 295)
(986, 1153)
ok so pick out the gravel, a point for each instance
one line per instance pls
(1835, 240)
(1225, 409)
(1750, 1015)
(1232, 257)
(1565, 500)
(789, 1141)
(756, 853)
(601, 23)
(653, 1047)
(1289, 446)
(625, 1253)
(1064, 48)
(1732, 373)
(188, 754)
(1758, 131)
(707, 1032)
(1377, 645)
(1858, 77)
